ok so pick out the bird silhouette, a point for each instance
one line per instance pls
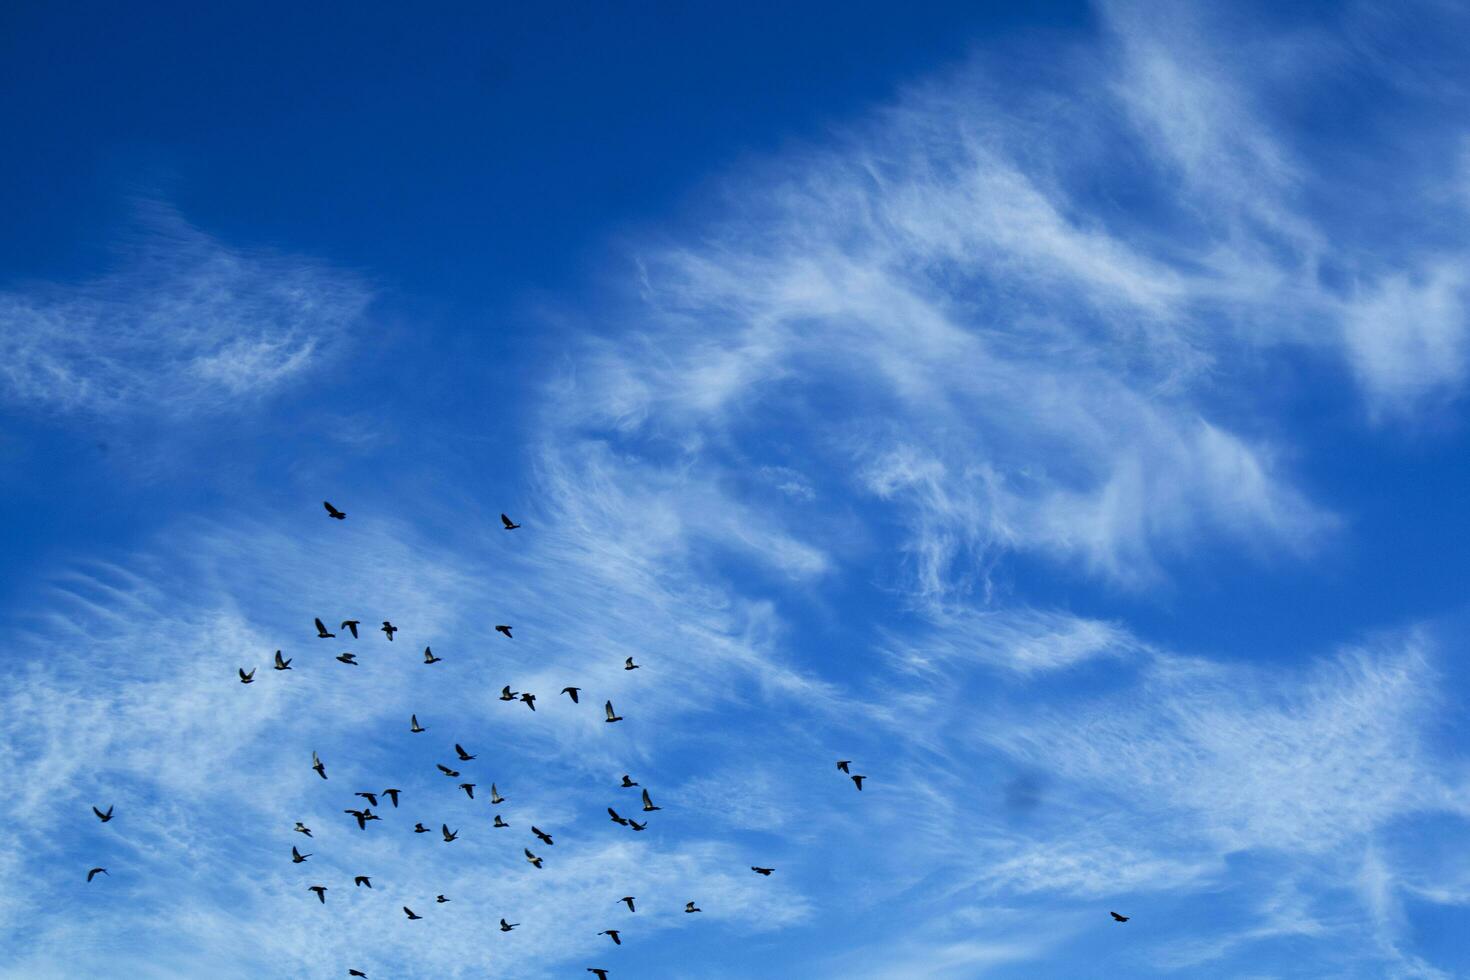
(628, 782)
(362, 816)
(533, 859)
(507, 926)
(691, 907)
(392, 795)
(389, 629)
(282, 664)
(611, 715)
(628, 900)
(440, 899)
(351, 626)
(505, 630)
(506, 694)
(302, 828)
(636, 825)
(612, 934)
(469, 789)
(357, 973)
(348, 658)
(509, 524)
(247, 678)
(572, 693)
(334, 512)
(630, 665)
(762, 871)
(429, 657)
(372, 798)
(414, 726)
(419, 828)
(448, 836)
(615, 818)
(452, 774)
(104, 817)
(321, 630)
(495, 797)
(858, 782)
(409, 912)
(463, 755)
(1119, 918)
(362, 881)
(316, 763)
(95, 872)
(297, 857)
(530, 700)
(843, 764)
(648, 806)
(499, 822)
(321, 892)
(601, 973)
(545, 837)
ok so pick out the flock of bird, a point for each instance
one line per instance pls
(365, 814)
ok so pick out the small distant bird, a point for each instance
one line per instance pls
(628, 900)
(858, 782)
(302, 828)
(611, 716)
(247, 678)
(392, 794)
(297, 857)
(505, 630)
(1119, 918)
(429, 657)
(409, 912)
(571, 692)
(530, 700)
(372, 798)
(351, 626)
(348, 658)
(440, 899)
(843, 764)
(495, 798)
(506, 694)
(316, 763)
(601, 973)
(762, 871)
(509, 524)
(507, 926)
(451, 773)
(545, 837)
(104, 817)
(321, 892)
(321, 630)
(469, 789)
(535, 861)
(636, 825)
(282, 664)
(414, 726)
(629, 664)
(463, 755)
(691, 907)
(362, 816)
(357, 973)
(628, 782)
(499, 822)
(95, 872)
(448, 836)
(362, 881)
(613, 935)
(334, 512)
(419, 828)
(615, 818)
(648, 806)
(389, 628)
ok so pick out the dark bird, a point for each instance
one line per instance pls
(321, 892)
(628, 782)
(469, 789)
(505, 630)
(628, 900)
(615, 818)
(302, 828)
(429, 657)
(843, 764)
(297, 857)
(691, 907)
(1119, 918)
(507, 926)
(419, 828)
(510, 525)
(372, 798)
(334, 512)
(357, 973)
(104, 817)
(321, 630)
(409, 912)
(858, 782)
(348, 658)
(571, 692)
(762, 871)
(506, 694)
(95, 872)
(636, 825)
(363, 816)
(535, 861)
(452, 774)
(316, 763)
(414, 726)
(280, 663)
(499, 822)
(545, 837)
(463, 755)
(389, 629)
(601, 973)
(448, 836)
(629, 664)
(362, 881)
(613, 935)
(440, 899)
(530, 700)
(495, 797)
(611, 716)
(648, 806)
(247, 678)
(392, 795)
(351, 626)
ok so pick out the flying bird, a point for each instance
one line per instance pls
(351, 626)
(691, 907)
(506, 694)
(302, 828)
(297, 857)
(247, 678)
(469, 789)
(571, 692)
(334, 512)
(1119, 918)
(611, 716)
(440, 899)
(452, 774)
(321, 892)
(601, 973)
(104, 817)
(636, 825)
(530, 700)
(429, 657)
(843, 764)
(392, 794)
(762, 871)
(389, 628)
(545, 837)
(282, 664)
(495, 797)
(372, 798)
(628, 900)
(409, 912)
(858, 782)
(348, 658)
(419, 828)
(321, 630)
(507, 926)
(95, 872)
(648, 806)
(463, 755)
(615, 818)
(414, 726)
(510, 525)
(535, 861)
(362, 881)
(629, 664)
(499, 822)
(316, 763)
(448, 836)
(505, 630)
(628, 782)
(363, 816)
(357, 973)
(613, 935)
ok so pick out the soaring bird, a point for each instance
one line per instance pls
(499, 822)
(389, 628)
(505, 630)
(357, 973)
(601, 973)
(1120, 918)
(615, 818)
(448, 836)
(636, 825)
(510, 525)
(321, 892)
(611, 715)
(372, 798)
(629, 664)
(429, 657)
(321, 630)
(507, 926)
(843, 764)
(316, 763)
(297, 857)
(530, 700)
(440, 899)
(469, 789)
(572, 693)
(392, 794)
(409, 912)
(628, 900)
(104, 817)
(451, 773)
(247, 678)
(858, 782)
(535, 861)
(613, 935)
(648, 806)
(506, 694)
(691, 907)
(95, 872)
(414, 726)
(351, 626)
(282, 664)
(762, 871)
(463, 755)
(628, 782)
(348, 658)
(334, 512)
(419, 828)
(302, 828)
(495, 797)
(362, 881)
(545, 837)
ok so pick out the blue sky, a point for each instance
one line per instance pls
(1059, 412)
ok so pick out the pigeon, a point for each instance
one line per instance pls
(535, 861)
(321, 892)
(615, 818)
(348, 658)
(636, 825)
(691, 907)
(351, 626)
(363, 816)
(302, 828)
(357, 973)
(506, 694)
(389, 628)
(321, 630)
(448, 836)
(505, 630)
(629, 664)
(333, 512)
(601, 973)
(571, 692)
(510, 525)
(409, 912)
(392, 794)
(104, 817)
(507, 926)
(628, 900)
(858, 782)
(469, 789)
(414, 726)
(372, 798)
(316, 763)
(611, 716)
(499, 822)
(280, 663)
(495, 798)
(613, 935)
(762, 871)
(545, 837)
(1119, 918)
(297, 857)
(429, 657)
(648, 806)
(419, 828)
(627, 782)
(440, 899)
(95, 872)
(463, 755)
(452, 774)
(530, 700)
(247, 678)
(362, 881)
(843, 764)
